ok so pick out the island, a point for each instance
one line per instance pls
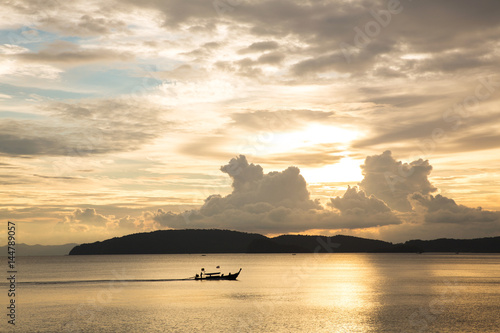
(227, 241)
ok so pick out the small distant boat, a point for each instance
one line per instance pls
(216, 276)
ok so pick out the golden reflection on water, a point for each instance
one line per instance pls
(349, 292)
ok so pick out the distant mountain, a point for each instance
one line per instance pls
(478, 245)
(40, 250)
(338, 243)
(226, 241)
(173, 241)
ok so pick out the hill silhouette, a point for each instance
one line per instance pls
(478, 245)
(40, 250)
(226, 241)
(173, 241)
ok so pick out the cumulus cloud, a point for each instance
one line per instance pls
(274, 202)
(354, 201)
(88, 216)
(440, 209)
(405, 188)
(82, 220)
(88, 225)
(392, 181)
(361, 210)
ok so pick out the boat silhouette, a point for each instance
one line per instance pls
(216, 276)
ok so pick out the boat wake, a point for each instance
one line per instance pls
(101, 281)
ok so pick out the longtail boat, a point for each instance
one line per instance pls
(216, 276)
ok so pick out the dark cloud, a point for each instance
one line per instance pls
(25, 138)
(19, 144)
(452, 34)
(86, 26)
(359, 62)
(272, 58)
(64, 52)
(452, 130)
(275, 202)
(260, 46)
(392, 181)
(474, 142)
(62, 178)
(402, 100)
(458, 61)
(94, 127)
(212, 45)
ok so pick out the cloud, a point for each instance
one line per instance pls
(83, 221)
(184, 72)
(354, 201)
(310, 32)
(271, 58)
(88, 216)
(275, 202)
(440, 209)
(363, 211)
(259, 47)
(86, 128)
(63, 52)
(17, 144)
(9, 49)
(86, 25)
(251, 186)
(281, 120)
(314, 156)
(87, 225)
(80, 18)
(405, 188)
(392, 181)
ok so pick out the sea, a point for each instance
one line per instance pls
(274, 293)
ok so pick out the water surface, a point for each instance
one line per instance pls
(274, 293)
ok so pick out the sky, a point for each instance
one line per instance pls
(375, 119)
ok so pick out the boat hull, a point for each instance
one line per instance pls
(220, 277)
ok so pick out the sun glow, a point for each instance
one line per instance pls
(317, 134)
(347, 170)
(308, 138)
